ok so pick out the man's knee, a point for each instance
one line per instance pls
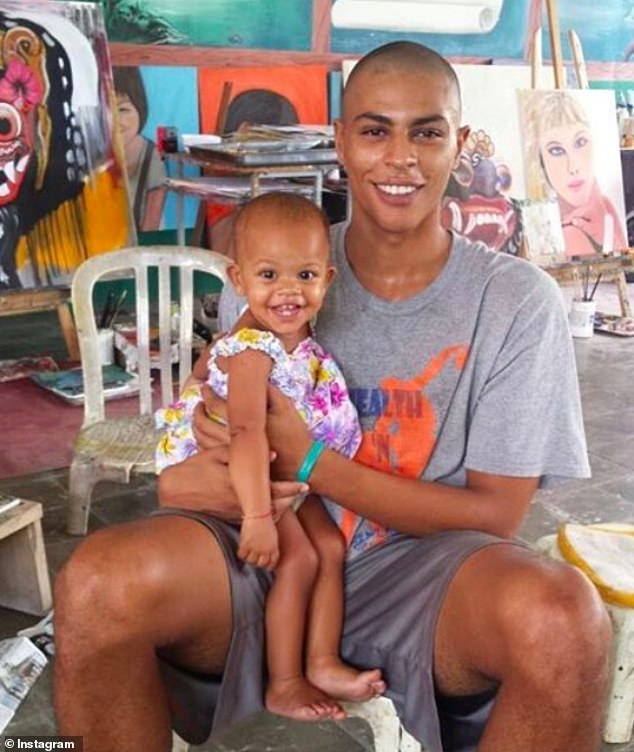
(559, 622)
(81, 578)
(100, 583)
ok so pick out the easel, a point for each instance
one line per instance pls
(611, 268)
(34, 301)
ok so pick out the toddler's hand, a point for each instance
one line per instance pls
(259, 542)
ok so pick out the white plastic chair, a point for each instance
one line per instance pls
(111, 449)
(611, 558)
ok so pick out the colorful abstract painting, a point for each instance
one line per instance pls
(63, 194)
(571, 154)
(276, 95)
(146, 100)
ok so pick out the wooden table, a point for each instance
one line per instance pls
(24, 578)
(15, 303)
(611, 269)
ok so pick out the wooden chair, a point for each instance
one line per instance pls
(111, 449)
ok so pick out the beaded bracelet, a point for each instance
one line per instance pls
(310, 460)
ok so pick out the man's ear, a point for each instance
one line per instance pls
(235, 277)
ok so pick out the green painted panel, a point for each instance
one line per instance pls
(252, 24)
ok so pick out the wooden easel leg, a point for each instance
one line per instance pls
(555, 44)
(624, 298)
(67, 325)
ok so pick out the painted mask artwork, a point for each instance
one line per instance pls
(475, 203)
(62, 191)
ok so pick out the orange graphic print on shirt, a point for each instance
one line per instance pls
(405, 433)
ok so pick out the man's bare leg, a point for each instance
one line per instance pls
(127, 591)
(538, 628)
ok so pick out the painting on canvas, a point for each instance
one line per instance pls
(276, 95)
(460, 28)
(264, 24)
(571, 153)
(482, 198)
(145, 100)
(63, 195)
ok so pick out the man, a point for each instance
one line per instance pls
(461, 367)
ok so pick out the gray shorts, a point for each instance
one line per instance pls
(393, 595)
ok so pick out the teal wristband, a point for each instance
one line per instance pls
(310, 460)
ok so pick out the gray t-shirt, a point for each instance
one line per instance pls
(475, 372)
(479, 366)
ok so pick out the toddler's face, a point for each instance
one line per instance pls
(282, 269)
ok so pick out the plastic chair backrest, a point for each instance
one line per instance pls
(136, 262)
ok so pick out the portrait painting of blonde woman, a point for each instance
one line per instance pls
(571, 155)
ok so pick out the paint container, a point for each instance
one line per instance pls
(105, 339)
(581, 318)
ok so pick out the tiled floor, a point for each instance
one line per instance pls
(606, 369)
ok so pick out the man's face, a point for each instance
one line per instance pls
(399, 140)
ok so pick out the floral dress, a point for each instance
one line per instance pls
(309, 376)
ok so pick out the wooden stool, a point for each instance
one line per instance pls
(616, 596)
(24, 579)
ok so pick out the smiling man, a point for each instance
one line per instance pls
(461, 367)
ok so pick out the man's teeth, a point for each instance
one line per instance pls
(397, 190)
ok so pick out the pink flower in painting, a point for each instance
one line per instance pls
(20, 86)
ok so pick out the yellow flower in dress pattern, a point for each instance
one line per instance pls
(166, 445)
(248, 336)
(173, 414)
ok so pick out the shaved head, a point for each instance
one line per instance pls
(402, 56)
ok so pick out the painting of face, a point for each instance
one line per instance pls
(129, 120)
(571, 156)
(63, 196)
(567, 155)
(20, 93)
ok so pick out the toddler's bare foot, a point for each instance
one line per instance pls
(298, 698)
(344, 682)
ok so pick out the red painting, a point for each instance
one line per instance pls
(276, 95)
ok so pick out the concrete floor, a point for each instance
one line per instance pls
(606, 371)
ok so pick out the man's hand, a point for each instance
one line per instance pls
(202, 482)
(287, 434)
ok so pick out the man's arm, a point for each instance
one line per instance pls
(492, 503)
